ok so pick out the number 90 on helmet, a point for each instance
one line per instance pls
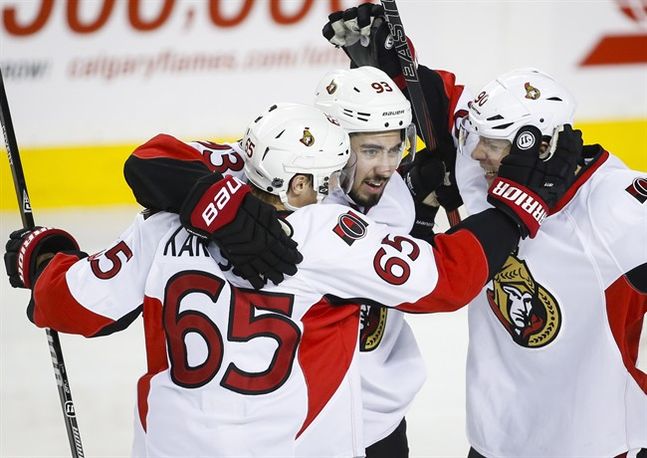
(289, 139)
(521, 97)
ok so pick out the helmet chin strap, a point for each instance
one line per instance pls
(283, 195)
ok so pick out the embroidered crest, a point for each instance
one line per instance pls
(350, 227)
(524, 307)
(372, 324)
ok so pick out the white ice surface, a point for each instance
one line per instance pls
(103, 371)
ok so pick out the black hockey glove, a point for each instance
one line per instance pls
(528, 184)
(246, 230)
(363, 33)
(423, 177)
(28, 250)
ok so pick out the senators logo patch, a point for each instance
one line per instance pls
(350, 227)
(638, 189)
(332, 87)
(525, 308)
(532, 92)
(308, 139)
(372, 324)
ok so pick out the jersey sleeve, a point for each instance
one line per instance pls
(162, 172)
(102, 293)
(359, 260)
(617, 209)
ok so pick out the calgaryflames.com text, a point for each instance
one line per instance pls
(172, 62)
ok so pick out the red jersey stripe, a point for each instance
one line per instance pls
(453, 260)
(326, 351)
(56, 308)
(157, 360)
(166, 146)
(626, 309)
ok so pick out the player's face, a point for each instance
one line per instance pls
(489, 152)
(378, 155)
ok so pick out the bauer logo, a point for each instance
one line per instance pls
(350, 227)
(525, 141)
(638, 189)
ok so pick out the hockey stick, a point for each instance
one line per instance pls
(24, 204)
(410, 74)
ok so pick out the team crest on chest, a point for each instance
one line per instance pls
(372, 324)
(524, 307)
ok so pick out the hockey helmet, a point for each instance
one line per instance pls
(289, 139)
(515, 99)
(364, 99)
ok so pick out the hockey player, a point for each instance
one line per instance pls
(238, 372)
(554, 336)
(567, 331)
(377, 116)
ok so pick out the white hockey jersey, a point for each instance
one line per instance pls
(238, 372)
(551, 368)
(388, 347)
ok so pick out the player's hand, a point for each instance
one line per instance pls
(363, 33)
(448, 194)
(423, 226)
(527, 187)
(424, 177)
(246, 230)
(27, 250)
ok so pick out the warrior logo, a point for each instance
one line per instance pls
(638, 189)
(532, 93)
(527, 311)
(350, 227)
(332, 87)
(372, 324)
(307, 139)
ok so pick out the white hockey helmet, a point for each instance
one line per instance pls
(522, 97)
(289, 139)
(364, 99)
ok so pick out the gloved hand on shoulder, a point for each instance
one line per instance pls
(246, 230)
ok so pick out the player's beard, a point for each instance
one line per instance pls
(368, 200)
